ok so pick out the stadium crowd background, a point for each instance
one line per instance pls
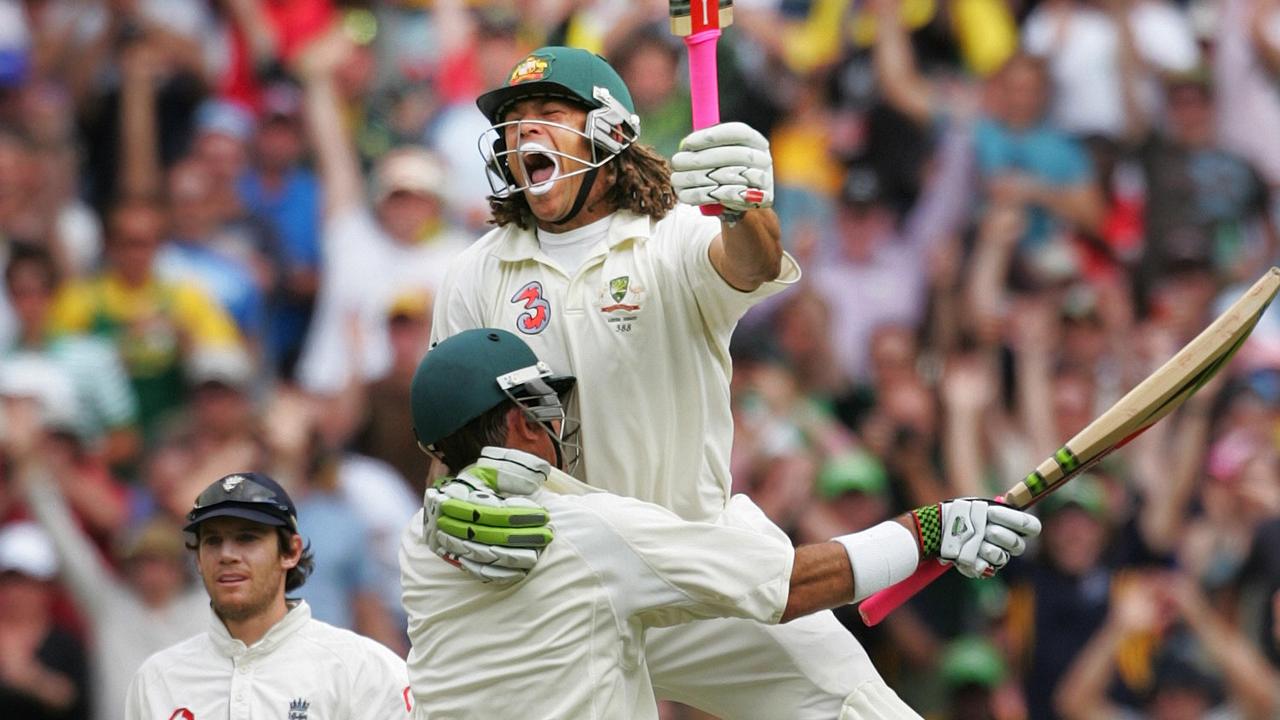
(221, 222)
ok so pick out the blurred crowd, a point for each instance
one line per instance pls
(222, 223)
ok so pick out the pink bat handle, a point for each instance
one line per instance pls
(704, 92)
(878, 606)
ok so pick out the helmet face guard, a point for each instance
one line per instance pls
(531, 391)
(609, 130)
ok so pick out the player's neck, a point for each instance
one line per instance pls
(593, 210)
(250, 630)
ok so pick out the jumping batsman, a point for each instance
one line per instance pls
(569, 640)
(595, 265)
(263, 655)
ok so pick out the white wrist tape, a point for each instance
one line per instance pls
(881, 556)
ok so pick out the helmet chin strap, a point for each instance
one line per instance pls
(588, 180)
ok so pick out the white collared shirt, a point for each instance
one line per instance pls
(302, 669)
(568, 640)
(644, 324)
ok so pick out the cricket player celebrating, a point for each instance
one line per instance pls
(569, 641)
(595, 265)
(263, 655)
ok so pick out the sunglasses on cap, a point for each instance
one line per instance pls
(243, 491)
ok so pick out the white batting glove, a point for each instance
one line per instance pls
(469, 523)
(727, 164)
(978, 536)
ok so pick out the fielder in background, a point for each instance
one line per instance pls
(263, 655)
(606, 277)
(569, 640)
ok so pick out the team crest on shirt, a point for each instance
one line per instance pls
(537, 311)
(182, 714)
(620, 301)
(298, 709)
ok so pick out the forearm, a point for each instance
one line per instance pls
(962, 452)
(1251, 678)
(900, 81)
(1081, 205)
(1081, 695)
(750, 251)
(821, 579)
(250, 19)
(335, 156)
(140, 156)
(81, 571)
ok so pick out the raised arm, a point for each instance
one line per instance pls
(904, 88)
(335, 154)
(140, 171)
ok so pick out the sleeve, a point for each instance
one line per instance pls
(112, 395)
(380, 689)
(664, 571)
(203, 319)
(135, 702)
(1037, 35)
(1074, 166)
(81, 568)
(1164, 37)
(720, 304)
(457, 306)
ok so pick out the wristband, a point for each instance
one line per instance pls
(928, 520)
(880, 556)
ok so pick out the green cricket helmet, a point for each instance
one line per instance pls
(475, 371)
(571, 74)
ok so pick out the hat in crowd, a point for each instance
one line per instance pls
(408, 169)
(1079, 302)
(972, 660)
(410, 304)
(248, 496)
(557, 72)
(25, 548)
(1230, 454)
(32, 376)
(230, 367)
(157, 537)
(220, 117)
(854, 471)
(1084, 492)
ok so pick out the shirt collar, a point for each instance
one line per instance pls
(519, 244)
(299, 614)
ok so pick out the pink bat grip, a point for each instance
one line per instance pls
(878, 606)
(704, 92)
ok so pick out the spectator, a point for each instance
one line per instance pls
(42, 667)
(279, 189)
(154, 323)
(107, 408)
(404, 241)
(1105, 60)
(972, 671)
(223, 431)
(148, 607)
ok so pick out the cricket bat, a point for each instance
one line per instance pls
(699, 23)
(1154, 398)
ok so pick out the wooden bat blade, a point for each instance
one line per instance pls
(1154, 398)
(1159, 394)
(690, 16)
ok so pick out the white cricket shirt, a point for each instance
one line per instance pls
(568, 640)
(302, 669)
(644, 324)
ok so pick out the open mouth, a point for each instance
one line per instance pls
(540, 167)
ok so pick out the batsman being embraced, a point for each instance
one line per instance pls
(576, 625)
(600, 263)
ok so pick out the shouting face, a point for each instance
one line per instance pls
(550, 154)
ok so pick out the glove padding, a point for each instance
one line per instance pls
(727, 164)
(979, 536)
(469, 523)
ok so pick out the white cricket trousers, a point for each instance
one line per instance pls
(808, 669)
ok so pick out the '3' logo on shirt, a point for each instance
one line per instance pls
(537, 311)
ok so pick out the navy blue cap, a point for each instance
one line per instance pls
(250, 496)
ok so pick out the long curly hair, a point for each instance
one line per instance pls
(641, 183)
